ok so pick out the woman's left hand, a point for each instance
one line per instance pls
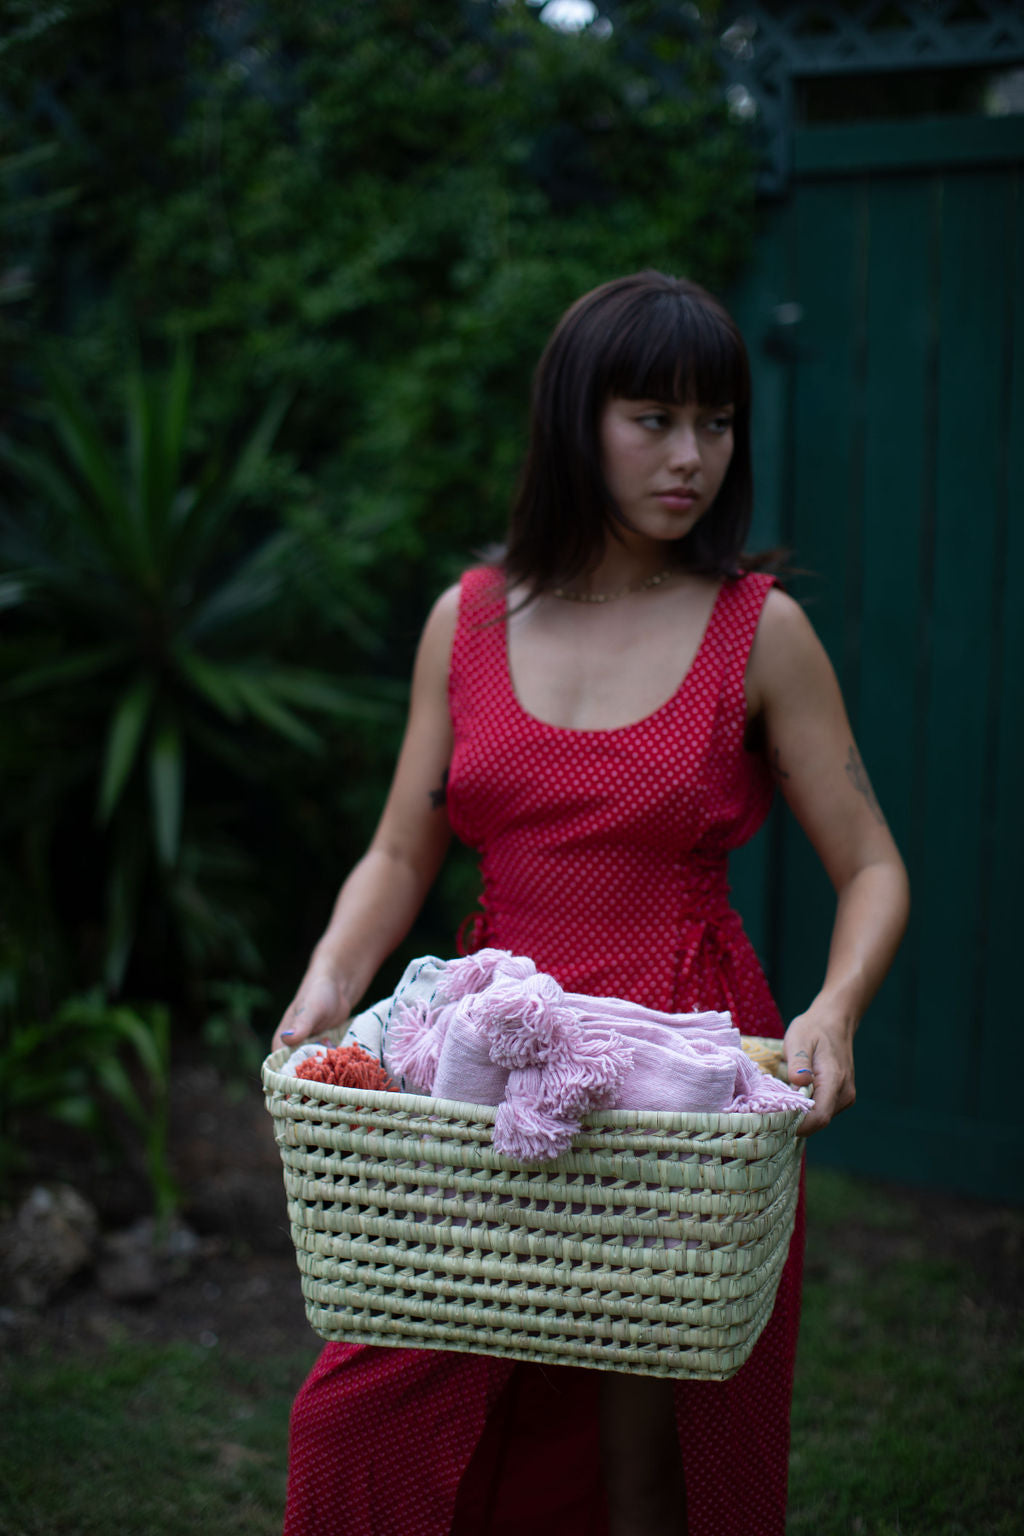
(819, 1052)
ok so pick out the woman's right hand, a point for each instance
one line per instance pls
(320, 1004)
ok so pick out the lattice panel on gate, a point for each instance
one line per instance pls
(766, 44)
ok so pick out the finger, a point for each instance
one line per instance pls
(800, 1067)
(298, 1024)
(825, 1093)
(816, 1118)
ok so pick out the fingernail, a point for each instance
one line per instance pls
(287, 1033)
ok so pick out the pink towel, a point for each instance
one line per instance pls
(690, 1074)
(617, 1011)
(497, 1031)
(466, 1069)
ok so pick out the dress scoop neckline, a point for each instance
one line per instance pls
(606, 730)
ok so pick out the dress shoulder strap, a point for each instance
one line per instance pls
(744, 597)
(478, 649)
(735, 621)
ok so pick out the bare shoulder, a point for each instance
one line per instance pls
(783, 622)
(444, 614)
(439, 631)
(786, 650)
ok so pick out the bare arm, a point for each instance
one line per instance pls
(791, 685)
(380, 899)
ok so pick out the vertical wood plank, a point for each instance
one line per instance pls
(832, 238)
(894, 528)
(971, 384)
(1002, 872)
(909, 476)
(753, 303)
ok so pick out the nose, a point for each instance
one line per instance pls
(684, 449)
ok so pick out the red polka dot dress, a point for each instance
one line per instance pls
(603, 857)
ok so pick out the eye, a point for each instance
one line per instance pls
(654, 421)
(719, 424)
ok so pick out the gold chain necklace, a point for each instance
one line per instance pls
(609, 597)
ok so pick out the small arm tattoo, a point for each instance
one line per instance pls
(439, 796)
(858, 777)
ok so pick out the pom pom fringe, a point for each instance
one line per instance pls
(473, 973)
(415, 1037)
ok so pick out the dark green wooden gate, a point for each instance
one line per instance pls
(885, 314)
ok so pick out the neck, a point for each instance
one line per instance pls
(620, 567)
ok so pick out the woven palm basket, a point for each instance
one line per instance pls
(655, 1246)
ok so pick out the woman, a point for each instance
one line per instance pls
(604, 715)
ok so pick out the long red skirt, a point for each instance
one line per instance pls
(411, 1442)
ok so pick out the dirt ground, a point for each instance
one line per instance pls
(241, 1287)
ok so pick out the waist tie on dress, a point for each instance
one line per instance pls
(473, 933)
(708, 932)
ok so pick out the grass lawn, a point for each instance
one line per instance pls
(144, 1440)
(907, 1417)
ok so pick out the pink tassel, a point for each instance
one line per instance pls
(599, 1062)
(544, 1106)
(524, 1021)
(472, 973)
(415, 1037)
(524, 1128)
(758, 1094)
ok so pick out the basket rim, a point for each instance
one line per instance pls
(277, 1085)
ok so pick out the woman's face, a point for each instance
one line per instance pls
(664, 464)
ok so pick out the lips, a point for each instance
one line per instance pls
(679, 498)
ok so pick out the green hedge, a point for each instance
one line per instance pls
(375, 209)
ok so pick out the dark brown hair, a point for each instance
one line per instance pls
(644, 337)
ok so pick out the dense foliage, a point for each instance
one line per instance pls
(146, 617)
(386, 204)
(373, 210)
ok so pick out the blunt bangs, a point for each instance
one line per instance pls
(676, 351)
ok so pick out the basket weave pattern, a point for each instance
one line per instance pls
(655, 1246)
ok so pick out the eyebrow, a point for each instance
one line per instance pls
(667, 405)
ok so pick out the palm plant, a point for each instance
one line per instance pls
(147, 636)
(94, 1065)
